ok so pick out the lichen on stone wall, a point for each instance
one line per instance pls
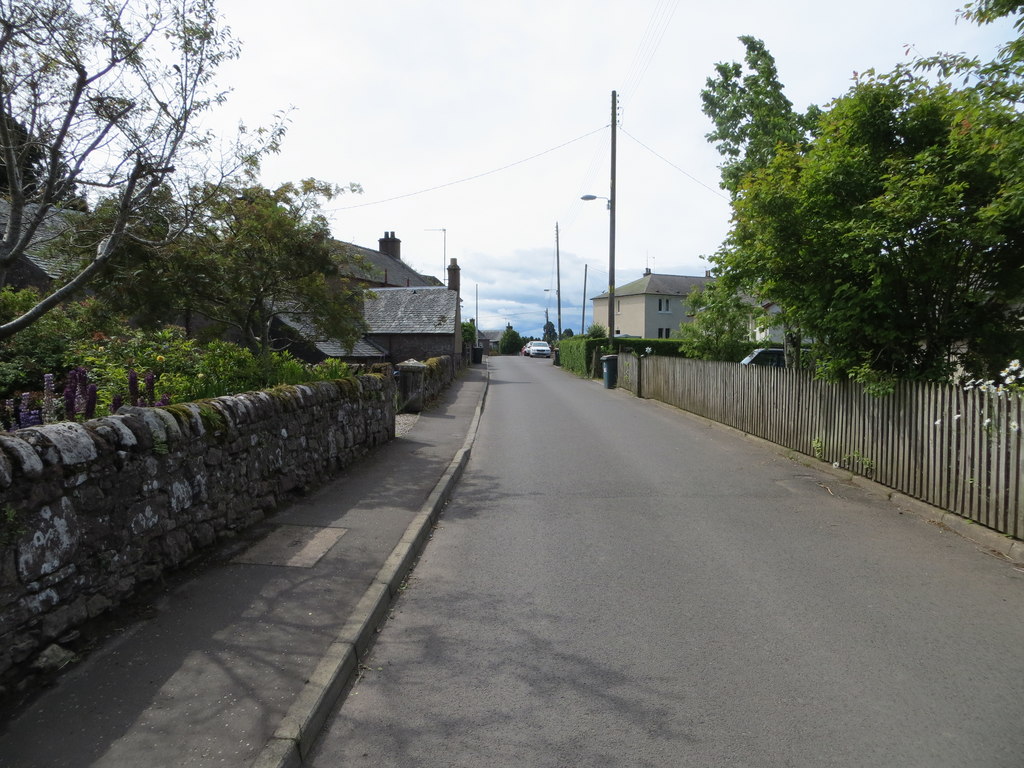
(102, 507)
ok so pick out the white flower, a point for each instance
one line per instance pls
(987, 422)
(835, 464)
(956, 417)
(1014, 426)
(938, 422)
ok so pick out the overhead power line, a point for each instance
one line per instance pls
(469, 178)
(669, 162)
(657, 25)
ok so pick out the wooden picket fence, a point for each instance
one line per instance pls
(957, 450)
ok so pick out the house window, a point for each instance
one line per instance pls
(659, 333)
(663, 305)
(618, 306)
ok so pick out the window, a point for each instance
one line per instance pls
(664, 306)
(659, 333)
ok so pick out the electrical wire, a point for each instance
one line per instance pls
(669, 162)
(469, 178)
(657, 25)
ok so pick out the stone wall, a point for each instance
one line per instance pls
(90, 512)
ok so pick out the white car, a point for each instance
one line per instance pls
(538, 349)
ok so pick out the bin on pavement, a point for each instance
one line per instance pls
(478, 355)
(610, 364)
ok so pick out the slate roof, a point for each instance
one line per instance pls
(52, 227)
(362, 348)
(411, 311)
(384, 269)
(660, 285)
(331, 347)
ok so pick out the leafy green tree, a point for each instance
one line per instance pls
(107, 95)
(261, 255)
(469, 334)
(567, 333)
(550, 334)
(45, 346)
(511, 342)
(894, 239)
(720, 329)
(751, 114)
(755, 121)
(597, 331)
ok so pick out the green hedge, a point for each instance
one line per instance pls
(577, 355)
(660, 347)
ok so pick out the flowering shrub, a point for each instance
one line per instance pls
(154, 368)
(1012, 381)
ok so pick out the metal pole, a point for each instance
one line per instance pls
(611, 226)
(444, 253)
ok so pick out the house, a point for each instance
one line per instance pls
(401, 306)
(490, 340)
(38, 267)
(383, 268)
(417, 322)
(652, 307)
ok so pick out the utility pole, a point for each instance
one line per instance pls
(611, 225)
(558, 282)
(583, 319)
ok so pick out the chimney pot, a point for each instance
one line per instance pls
(391, 245)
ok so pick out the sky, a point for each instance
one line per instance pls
(475, 126)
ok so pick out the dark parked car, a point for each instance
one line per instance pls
(769, 356)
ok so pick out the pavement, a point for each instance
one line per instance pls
(241, 664)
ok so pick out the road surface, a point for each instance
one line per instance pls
(616, 583)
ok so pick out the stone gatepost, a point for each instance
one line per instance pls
(411, 377)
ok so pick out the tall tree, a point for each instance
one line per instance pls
(721, 325)
(894, 240)
(101, 98)
(751, 114)
(755, 121)
(261, 255)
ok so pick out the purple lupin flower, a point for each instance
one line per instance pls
(116, 403)
(165, 400)
(150, 388)
(70, 395)
(90, 402)
(82, 393)
(49, 401)
(133, 387)
(25, 411)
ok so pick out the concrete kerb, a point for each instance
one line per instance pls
(301, 726)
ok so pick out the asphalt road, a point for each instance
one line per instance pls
(618, 584)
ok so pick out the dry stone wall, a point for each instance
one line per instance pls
(89, 512)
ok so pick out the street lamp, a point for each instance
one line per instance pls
(611, 260)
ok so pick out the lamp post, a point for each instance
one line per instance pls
(611, 224)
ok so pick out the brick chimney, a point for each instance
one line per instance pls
(453, 275)
(391, 245)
